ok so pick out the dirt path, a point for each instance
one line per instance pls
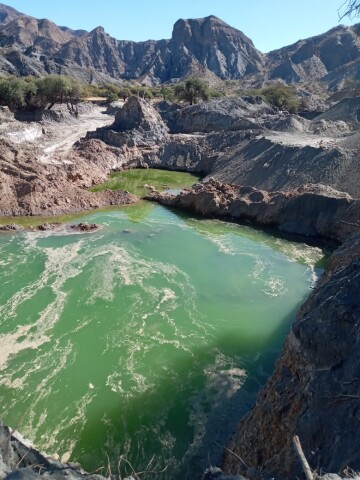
(60, 137)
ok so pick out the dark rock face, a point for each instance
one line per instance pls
(223, 50)
(138, 114)
(347, 110)
(207, 42)
(270, 162)
(314, 390)
(241, 113)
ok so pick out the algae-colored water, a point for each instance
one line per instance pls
(134, 180)
(145, 338)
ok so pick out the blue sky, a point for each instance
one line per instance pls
(269, 23)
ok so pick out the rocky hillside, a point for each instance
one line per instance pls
(317, 57)
(207, 46)
(240, 141)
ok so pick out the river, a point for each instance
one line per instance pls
(146, 339)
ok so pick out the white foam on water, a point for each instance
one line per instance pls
(72, 418)
(60, 265)
(299, 252)
(261, 265)
(275, 287)
(10, 343)
(223, 242)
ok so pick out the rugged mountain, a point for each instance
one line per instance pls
(208, 42)
(316, 58)
(30, 34)
(206, 46)
(220, 48)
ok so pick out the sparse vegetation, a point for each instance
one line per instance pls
(352, 86)
(282, 96)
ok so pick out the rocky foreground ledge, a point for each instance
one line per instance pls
(20, 461)
(312, 210)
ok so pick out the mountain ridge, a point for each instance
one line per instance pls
(30, 46)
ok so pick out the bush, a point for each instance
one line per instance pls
(111, 97)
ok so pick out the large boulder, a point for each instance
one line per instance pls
(137, 124)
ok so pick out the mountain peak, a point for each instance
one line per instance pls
(8, 14)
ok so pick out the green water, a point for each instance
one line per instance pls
(146, 337)
(134, 180)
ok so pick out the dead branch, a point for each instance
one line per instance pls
(306, 467)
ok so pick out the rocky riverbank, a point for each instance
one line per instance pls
(312, 210)
(316, 377)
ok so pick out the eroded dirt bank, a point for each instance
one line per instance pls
(41, 174)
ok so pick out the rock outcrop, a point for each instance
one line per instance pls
(317, 57)
(20, 461)
(241, 140)
(314, 391)
(311, 210)
(29, 187)
(281, 161)
(137, 124)
(226, 114)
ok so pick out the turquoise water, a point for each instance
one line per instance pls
(140, 339)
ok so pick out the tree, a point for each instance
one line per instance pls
(192, 90)
(350, 8)
(124, 93)
(58, 89)
(16, 92)
(282, 96)
(111, 97)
